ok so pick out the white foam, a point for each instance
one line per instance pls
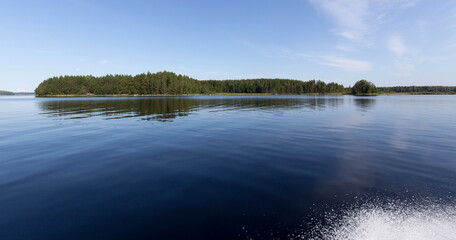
(392, 222)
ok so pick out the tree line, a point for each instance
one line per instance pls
(6, 92)
(418, 89)
(169, 83)
(365, 88)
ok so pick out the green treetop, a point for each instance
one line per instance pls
(364, 88)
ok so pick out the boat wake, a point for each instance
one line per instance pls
(388, 222)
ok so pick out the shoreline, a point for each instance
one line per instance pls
(240, 94)
(185, 95)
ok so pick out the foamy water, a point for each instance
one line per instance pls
(391, 222)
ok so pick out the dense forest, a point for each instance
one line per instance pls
(169, 83)
(418, 89)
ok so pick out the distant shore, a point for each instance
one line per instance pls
(8, 93)
(419, 93)
(183, 95)
(239, 94)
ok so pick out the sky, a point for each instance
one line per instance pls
(387, 42)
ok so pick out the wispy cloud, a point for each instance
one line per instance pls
(103, 62)
(450, 25)
(351, 65)
(381, 16)
(347, 64)
(360, 23)
(354, 19)
(403, 65)
(405, 57)
(403, 68)
(348, 15)
(345, 48)
(396, 45)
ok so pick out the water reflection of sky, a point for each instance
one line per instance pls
(255, 160)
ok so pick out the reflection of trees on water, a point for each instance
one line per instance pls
(159, 109)
(365, 103)
(166, 109)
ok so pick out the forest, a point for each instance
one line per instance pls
(169, 83)
(418, 89)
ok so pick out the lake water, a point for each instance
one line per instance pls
(228, 167)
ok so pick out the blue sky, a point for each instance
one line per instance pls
(388, 42)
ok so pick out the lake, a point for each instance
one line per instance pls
(228, 167)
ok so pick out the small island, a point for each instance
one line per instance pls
(364, 88)
(170, 84)
(6, 93)
(9, 93)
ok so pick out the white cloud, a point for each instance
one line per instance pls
(355, 19)
(348, 15)
(359, 23)
(403, 63)
(103, 62)
(381, 16)
(291, 54)
(403, 68)
(450, 26)
(346, 64)
(345, 48)
(407, 3)
(449, 47)
(396, 45)
(406, 57)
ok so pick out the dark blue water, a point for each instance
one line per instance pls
(216, 167)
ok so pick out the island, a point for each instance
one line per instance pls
(9, 93)
(171, 84)
(2, 92)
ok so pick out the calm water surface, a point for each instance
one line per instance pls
(218, 167)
